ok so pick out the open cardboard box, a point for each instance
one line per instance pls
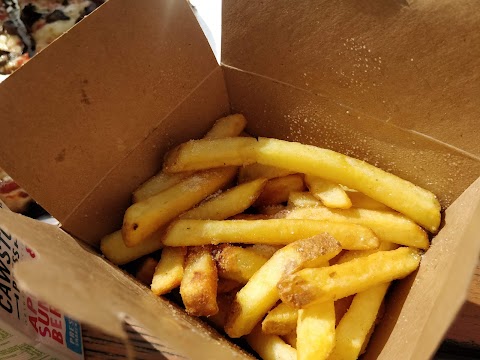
(87, 120)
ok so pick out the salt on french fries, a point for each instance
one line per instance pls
(199, 283)
(256, 171)
(169, 271)
(316, 331)
(145, 217)
(272, 231)
(291, 339)
(416, 203)
(341, 307)
(226, 285)
(228, 126)
(229, 203)
(308, 286)
(270, 347)
(276, 190)
(265, 250)
(387, 225)
(329, 193)
(360, 200)
(260, 294)
(355, 325)
(302, 199)
(146, 270)
(236, 263)
(281, 320)
(115, 250)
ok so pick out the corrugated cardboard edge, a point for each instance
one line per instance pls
(73, 278)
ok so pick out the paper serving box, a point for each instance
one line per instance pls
(395, 83)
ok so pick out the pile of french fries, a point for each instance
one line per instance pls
(288, 245)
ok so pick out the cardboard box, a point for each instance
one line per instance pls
(391, 82)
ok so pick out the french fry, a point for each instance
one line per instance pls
(270, 347)
(334, 282)
(256, 171)
(207, 154)
(169, 271)
(145, 217)
(316, 331)
(265, 250)
(227, 285)
(229, 203)
(236, 263)
(273, 232)
(250, 217)
(329, 193)
(291, 339)
(223, 301)
(281, 320)
(355, 325)
(228, 126)
(416, 203)
(260, 294)
(146, 270)
(115, 250)
(387, 225)
(355, 254)
(276, 190)
(341, 307)
(199, 283)
(303, 199)
(360, 200)
(271, 210)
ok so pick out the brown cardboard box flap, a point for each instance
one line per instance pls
(82, 105)
(71, 277)
(411, 63)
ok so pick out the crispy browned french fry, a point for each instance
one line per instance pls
(329, 193)
(236, 263)
(169, 271)
(270, 347)
(256, 171)
(228, 203)
(273, 231)
(334, 282)
(199, 284)
(265, 250)
(387, 225)
(228, 126)
(281, 320)
(227, 285)
(145, 271)
(291, 339)
(260, 294)
(353, 329)
(276, 190)
(145, 217)
(316, 331)
(115, 250)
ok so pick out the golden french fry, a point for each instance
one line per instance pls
(273, 231)
(227, 285)
(302, 199)
(276, 190)
(291, 339)
(334, 282)
(169, 272)
(387, 225)
(145, 217)
(360, 200)
(341, 307)
(355, 325)
(199, 284)
(228, 126)
(316, 331)
(416, 203)
(281, 320)
(265, 250)
(115, 250)
(236, 263)
(229, 203)
(331, 194)
(146, 270)
(256, 171)
(208, 154)
(355, 254)
(270, 347)
(260, 294)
